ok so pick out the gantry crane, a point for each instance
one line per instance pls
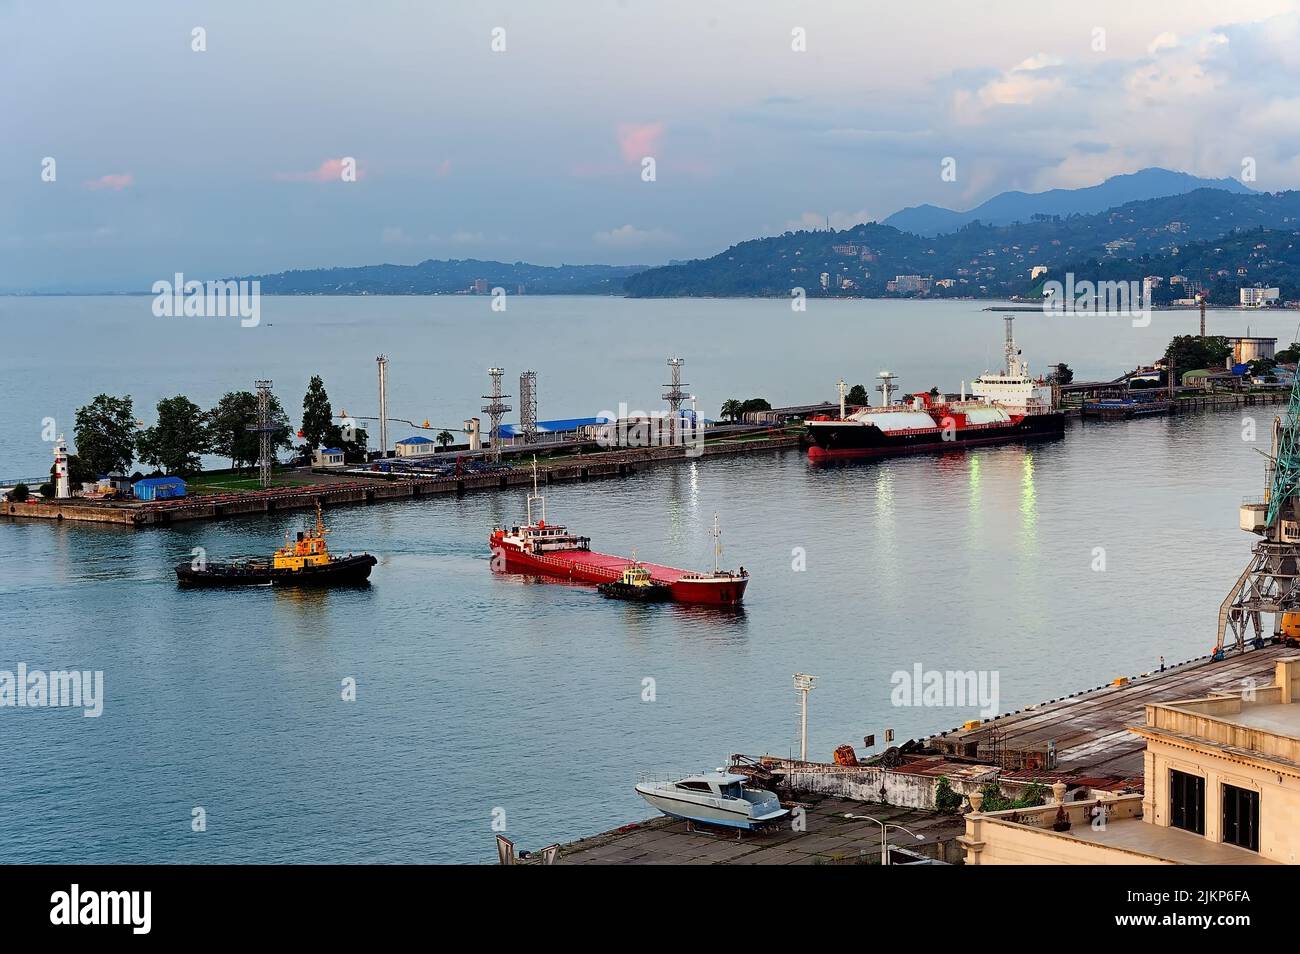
(1268, 584)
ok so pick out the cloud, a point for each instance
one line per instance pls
(1165, 41)
(635, 142)
(116, 181)
(331, 170)
(444, 168)
(1025, 84)
(629, 236)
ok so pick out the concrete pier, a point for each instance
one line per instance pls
(374, 487)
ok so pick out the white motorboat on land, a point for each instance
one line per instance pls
(716, 798)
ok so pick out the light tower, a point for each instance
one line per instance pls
(674, 396)
(381, 362)
(803, 683)
(841, 386)
(62, 485)
(886, 386)
(495, 410)
(528, 406)
(263, 430)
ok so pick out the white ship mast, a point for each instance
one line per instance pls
(717, 545)
(1016, 368)
(535, 496)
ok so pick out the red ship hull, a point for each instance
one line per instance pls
(587, 566)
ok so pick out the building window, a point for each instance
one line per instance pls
(1187, 801)
(1241, 817)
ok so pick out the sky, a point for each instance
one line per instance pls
(519, 130)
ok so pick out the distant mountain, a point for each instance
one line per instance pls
(450, 277)
(1008, 207)
(976, 261)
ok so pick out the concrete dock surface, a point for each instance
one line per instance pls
(829, 838)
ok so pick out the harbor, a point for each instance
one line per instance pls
(495, 645)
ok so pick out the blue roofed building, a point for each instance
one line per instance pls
(328, 457)
(416, 447)
(158, 488)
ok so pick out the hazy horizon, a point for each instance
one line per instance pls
(234, 159)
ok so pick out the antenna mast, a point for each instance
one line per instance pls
(886, 386)
(528, 406)
(674, 396)
(496, 410)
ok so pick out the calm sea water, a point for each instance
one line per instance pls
(478, 693)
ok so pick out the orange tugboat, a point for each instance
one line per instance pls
(303, 561)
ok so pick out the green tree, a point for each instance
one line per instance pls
(179, 438)
(754, 404)
(19, 493)
(444, 438)
(317, 415)
(105, 434)
(1192, 352)
(352, 441)
(229, 423)
(1289, 354)
(1060, 374)
(858, 396)
(731, 409)
(946, 801)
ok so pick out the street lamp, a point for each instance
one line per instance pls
(884, 834)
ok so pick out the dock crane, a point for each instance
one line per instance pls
(1268, 584)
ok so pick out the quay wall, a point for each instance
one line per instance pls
(363, 489)
(884, 786)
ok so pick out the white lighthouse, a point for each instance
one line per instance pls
(62, 486)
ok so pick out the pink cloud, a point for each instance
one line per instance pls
(444, 168)
(117, 181)
(331, 170)
(636, 141)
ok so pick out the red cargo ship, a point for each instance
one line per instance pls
(551, 550)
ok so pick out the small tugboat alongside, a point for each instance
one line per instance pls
(551, 550)
(636, 585)
(303, 561)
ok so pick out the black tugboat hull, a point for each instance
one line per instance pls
(343, 571)
(655, 593)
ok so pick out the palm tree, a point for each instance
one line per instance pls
(731, 409)
(444, 438)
